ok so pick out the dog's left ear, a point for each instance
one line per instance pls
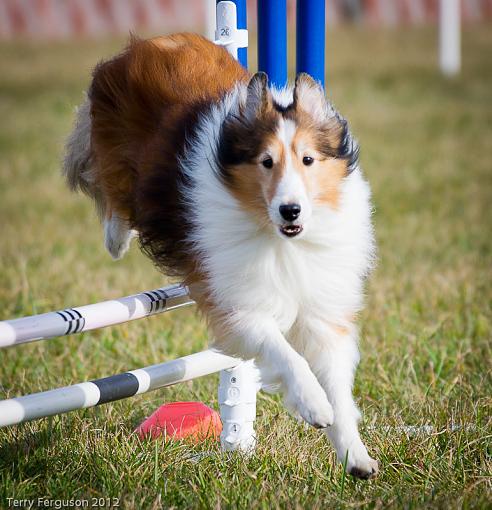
(309, 96)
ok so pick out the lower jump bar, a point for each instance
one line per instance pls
(109, 389)
(97, 315)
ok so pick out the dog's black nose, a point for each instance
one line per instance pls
(290, 212)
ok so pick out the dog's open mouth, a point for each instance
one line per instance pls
(291, 230)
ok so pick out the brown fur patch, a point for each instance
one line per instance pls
(143, 94)
(145, 102)
(325, 138)
(245, 185)
(324, 177)
(329, 175)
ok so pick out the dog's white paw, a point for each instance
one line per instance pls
(308, 399)
(360, 464)
(365, 470)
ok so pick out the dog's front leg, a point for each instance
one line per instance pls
(258, 336)
(333, 357)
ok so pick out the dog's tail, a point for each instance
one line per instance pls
(79, 170)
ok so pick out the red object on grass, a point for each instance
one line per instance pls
(181, 420)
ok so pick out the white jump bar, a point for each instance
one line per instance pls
(98, 315)
(109, 389)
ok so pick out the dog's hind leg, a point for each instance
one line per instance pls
(117, 236)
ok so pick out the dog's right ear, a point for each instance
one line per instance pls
(309, 96)
(258, 97)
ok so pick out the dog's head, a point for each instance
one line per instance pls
(282, 161)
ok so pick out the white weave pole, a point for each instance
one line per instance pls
(450, 37)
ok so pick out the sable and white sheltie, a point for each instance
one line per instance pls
(253, 197)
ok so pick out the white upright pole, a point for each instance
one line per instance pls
(237, 400)
(450, 37)
(226, 32)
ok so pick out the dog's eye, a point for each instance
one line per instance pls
(267, 163)
(307, 160)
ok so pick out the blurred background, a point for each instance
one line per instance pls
(49, 19)
(426, 149)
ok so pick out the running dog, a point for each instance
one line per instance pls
(253, 197)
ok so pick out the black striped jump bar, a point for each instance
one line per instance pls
(109, 389)
(97, 315)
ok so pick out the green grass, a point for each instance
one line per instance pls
(426, 351)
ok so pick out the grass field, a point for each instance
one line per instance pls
(426, 351)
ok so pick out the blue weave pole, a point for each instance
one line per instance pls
(272, 40)
(242, 23)
(310, 44)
